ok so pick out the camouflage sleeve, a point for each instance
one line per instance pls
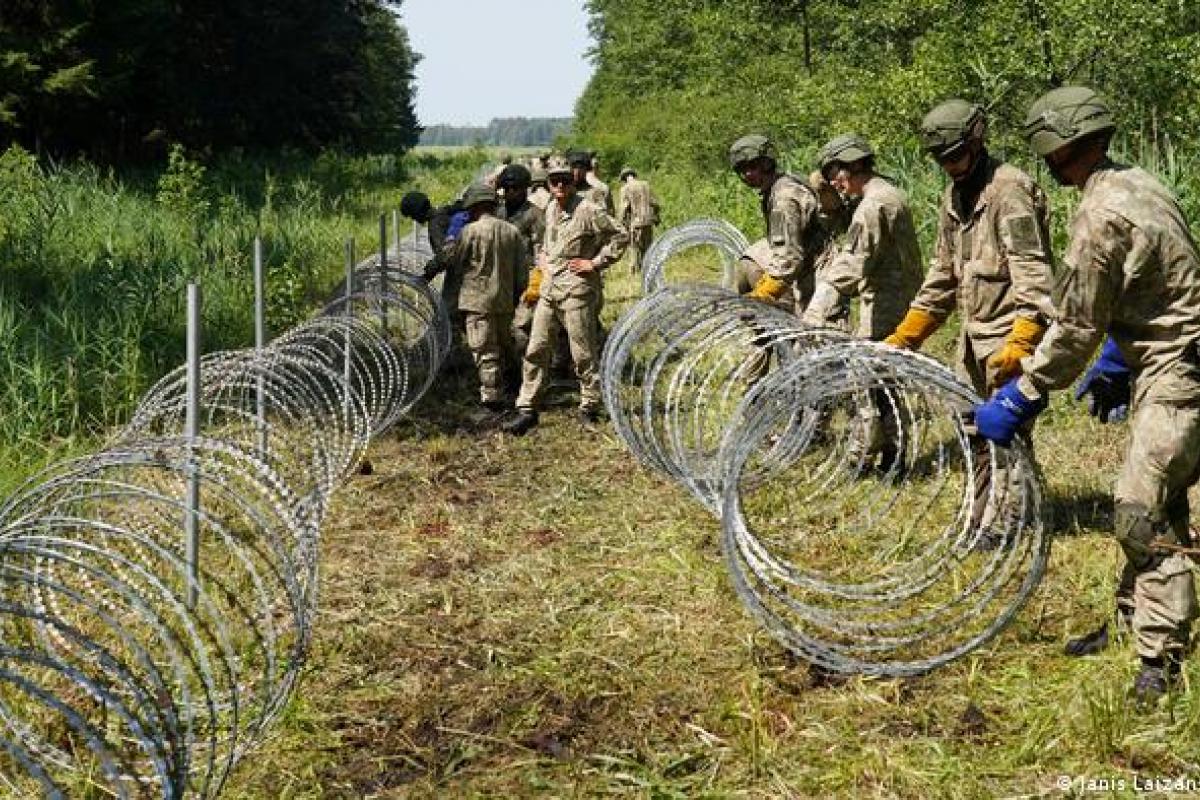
(939, 293)
(788, 221)
(848, 268)
(1025, 231)
(624, 208)
(1084, 298)
(612, 235)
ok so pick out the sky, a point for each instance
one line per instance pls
(464, 77)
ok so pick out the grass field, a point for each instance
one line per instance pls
(543, 617)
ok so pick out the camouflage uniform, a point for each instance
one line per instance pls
(540, 197)
(880, 263)
(794, 232)
(598, 192)
(993, 266)
(488, 254)
(581, 230)
(1132, 269)
(638, 212)
(529, 220)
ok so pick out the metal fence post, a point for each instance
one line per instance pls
(260, 341)
(192, 431)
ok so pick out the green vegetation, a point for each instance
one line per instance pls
(508, 132)
(678, 80)
(93, 268)
(120, 80)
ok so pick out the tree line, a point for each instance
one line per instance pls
(118, 80)
(507, 131)
(677, 80)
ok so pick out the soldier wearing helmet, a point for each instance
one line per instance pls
(587, 181)
(1131, 271)
(880, 263)
(580, 241)
(638, 211)
(517, 209)
(792, 214)
(487, 254)
(993, 263)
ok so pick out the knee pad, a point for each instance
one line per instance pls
(1136, 528)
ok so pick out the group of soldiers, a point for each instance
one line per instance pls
(523, 253)
(1129, 283)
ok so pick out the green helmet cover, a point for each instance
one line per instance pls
(950, 125)
(750, 147)
(844, 149)
(515, 175)
(1065, 115)
(478, 193)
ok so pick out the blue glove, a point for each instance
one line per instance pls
(1107, 385)
(1000, 417)
(458, 221)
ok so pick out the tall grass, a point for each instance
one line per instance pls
(93, 267)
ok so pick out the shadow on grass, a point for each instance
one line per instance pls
(1078, 514)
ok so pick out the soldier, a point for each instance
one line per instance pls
(638, 212)
(440, 223)
(588, 182)
(992, 262)
(792, 214)
(487, 254)
(880, 263)
(539, 195)
(1132, 270)
(528, 219)
(580, 241)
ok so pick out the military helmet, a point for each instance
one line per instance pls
(626, 172)
(844, 149)
(557, 165)
(515, 175)
(415, 205)
(478, 193)
(1066, 115)
(946, 129)
(750, 147)
(579, 158)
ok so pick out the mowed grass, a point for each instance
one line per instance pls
(543, 617)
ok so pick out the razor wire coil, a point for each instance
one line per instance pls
(728, 241)
(129, 669)
(884, 555)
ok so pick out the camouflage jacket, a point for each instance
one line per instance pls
(1132, 270)
(598, 192)
(638, 207)
(880, 262)
(794, 230)
(581, 230)
(995, 265)
(528, 219)
(541, 197)
(487, 254)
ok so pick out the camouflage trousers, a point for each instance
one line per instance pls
(578, 317)
(1155, 587)
(487, 338)
(997, 500)
(639, 243)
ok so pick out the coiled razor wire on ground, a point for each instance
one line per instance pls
(856, 565)
(128, 670)
(729, 242)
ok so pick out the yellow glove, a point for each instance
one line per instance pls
(534, 290)
(913, 330)
(1005, 363)
(768, 289)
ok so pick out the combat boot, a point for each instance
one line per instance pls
(1099, 639)
(1157, 677)
(522, 423)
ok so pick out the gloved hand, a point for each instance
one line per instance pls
(533, 291)
(767, 288)
(1000, 417)
(917, 326)
(432, 268)
(1005, 363)
(458, 221)
(1107, 385)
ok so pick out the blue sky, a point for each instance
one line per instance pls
(497, 58)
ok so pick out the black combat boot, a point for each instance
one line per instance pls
(1156, 677)
(522, 423)
(1099, 639)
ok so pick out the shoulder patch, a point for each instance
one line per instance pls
(1022, 233)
